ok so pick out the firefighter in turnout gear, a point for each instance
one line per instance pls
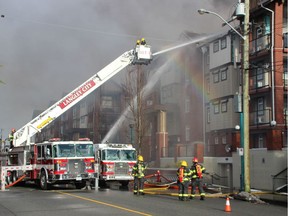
(197, 171)
(143, 41)
(183, 179)
(138, 173)
(11, 137)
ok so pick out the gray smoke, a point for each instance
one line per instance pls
(49, 47)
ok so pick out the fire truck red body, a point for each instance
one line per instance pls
(116, 162)
(56, 162)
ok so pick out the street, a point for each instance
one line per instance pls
(32, 201)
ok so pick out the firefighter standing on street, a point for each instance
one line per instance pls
(138, 173)
(11, 137)
(183, 179)
(196, 180)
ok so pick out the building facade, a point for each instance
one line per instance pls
(267, 102)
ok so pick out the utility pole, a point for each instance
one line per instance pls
(246, 98)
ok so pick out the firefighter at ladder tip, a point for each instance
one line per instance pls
(139, 172)
(11, 138)
(196, 179)
(183, 179)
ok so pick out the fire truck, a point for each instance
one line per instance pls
(44, 162)
(115, 162)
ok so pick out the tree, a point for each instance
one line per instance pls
(136, 79)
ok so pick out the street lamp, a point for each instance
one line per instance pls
(203, 11)
(244, 117)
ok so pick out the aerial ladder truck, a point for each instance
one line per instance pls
(56, 161)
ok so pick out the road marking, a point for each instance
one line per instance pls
(103, 203)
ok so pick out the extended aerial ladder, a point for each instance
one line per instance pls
(22, 138)
(143, 55)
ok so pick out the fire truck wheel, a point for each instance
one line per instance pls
(43, 181)
(14, 176)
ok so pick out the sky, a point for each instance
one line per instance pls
(49, 47)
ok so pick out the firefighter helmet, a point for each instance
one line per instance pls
(143, 39)
(195, 160)
(138, 42)
(140, 158)
(184, 164)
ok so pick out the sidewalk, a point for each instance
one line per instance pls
(274, 198)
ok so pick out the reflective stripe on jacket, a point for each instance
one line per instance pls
(138, 170)
(197, 171)
(183, 174)
(11, 137)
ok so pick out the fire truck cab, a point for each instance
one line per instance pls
(115, 162)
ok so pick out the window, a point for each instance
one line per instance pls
(285, 77)
(216, 108)
(48, 151)
(285, 40)
(187, 133)
(259, 78)
(223, 43)
(259, 141)
(208, 115)
(216, 76)
(106, 102)
(224, 106)
(216, 46)
(260, 106)
(39, 152)
(224, 74)
(74, 112)
(82, 119)
(224, 139)
(216, 140)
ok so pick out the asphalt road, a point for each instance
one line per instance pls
(29, 200)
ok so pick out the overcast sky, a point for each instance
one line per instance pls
(48, 47)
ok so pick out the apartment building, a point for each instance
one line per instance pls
(267, 103)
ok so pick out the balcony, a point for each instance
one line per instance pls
(260, 80)
(260, 117)
(259, 44)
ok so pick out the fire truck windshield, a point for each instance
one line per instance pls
(73, 150)
(119, 155)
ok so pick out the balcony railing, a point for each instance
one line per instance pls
(260, 117)
(259, 44)
(259, 81)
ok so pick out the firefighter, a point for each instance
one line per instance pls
(196, 179)
(11, 137)
(138, 173)
(138, 42)
(143, 42)
(183, 179)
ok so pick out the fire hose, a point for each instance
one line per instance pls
(15, 182)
